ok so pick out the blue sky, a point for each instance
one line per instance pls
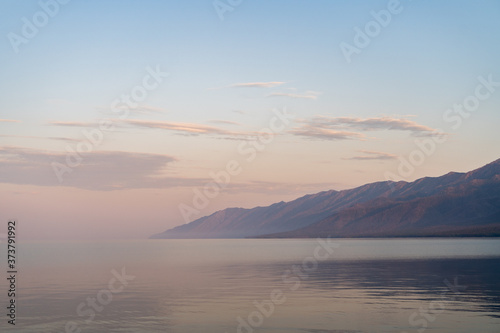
(354, 121)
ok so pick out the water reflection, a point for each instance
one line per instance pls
(190, 286)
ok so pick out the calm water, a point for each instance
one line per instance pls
(275, 286)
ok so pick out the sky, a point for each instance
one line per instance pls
(121, 119)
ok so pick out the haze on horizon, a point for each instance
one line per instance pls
(113, 115)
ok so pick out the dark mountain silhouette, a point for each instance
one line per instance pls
(456, 204)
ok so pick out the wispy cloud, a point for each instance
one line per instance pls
(177, 127)
(73, 123)
(306, 95)
(100, 171)
(118, 170)
(372, 155)
(192, 129)
(325, 133)
(20, 136)
(9, 121)
(64, 139)
(149, 109)
(257, 84)
(39, 137)
(224, 122)
(189, 128)
(381, 123)
(334, 128)
(166, 125)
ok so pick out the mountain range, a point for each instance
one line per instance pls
(455, 204)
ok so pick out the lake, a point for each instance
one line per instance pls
(254, 285)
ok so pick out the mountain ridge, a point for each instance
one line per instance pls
(377, 209)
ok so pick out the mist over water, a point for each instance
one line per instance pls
(362, 285)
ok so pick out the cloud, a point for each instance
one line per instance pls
(192, 129)
(224, 122)
(20, 136)
(180, 128)
(380, 123)
(73, 123)
(148, 109)
(118, 170)
(343, 127)
(9, 121)
(306, 95)
(39, 137)
(100, 171)
(372, 155)
(109, 123)
(64, 139)
(257, 84)
(325, 133)
(189, 128)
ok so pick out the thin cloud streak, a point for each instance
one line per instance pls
(257, 84)
(224, 122)
(73, 123)
(180, 128)
(20, 136)
(378, 123)
(39, 137)
(325, 133)
(192, 129)
(64, 139)
(372, 155)
(306, 95)
(9, 121)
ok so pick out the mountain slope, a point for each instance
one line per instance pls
(431, 205)
(279, 217)
(469, 203)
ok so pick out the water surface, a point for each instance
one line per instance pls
(358, 285)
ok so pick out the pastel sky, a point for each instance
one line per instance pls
(114, 114)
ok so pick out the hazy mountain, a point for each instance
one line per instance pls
(456, 204)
